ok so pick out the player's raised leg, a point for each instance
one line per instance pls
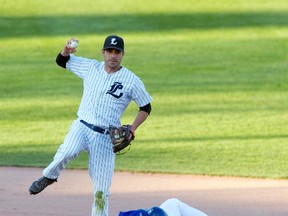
(73, 144)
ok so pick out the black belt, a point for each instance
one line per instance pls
(95, 128)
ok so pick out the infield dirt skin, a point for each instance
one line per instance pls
(72, 194)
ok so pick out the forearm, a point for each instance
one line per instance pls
(140, 118)
(64, 56)
(62, 60)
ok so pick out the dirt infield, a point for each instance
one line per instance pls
(72, 195)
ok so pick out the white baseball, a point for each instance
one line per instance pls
(73, 44)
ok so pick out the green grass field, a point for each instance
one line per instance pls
(217, 72)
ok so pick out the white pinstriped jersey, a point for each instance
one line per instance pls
(106, 96)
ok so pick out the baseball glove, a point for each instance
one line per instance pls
(121, 137)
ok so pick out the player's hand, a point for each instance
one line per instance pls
(67, 50)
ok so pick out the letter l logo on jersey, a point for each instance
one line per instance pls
(114, 88)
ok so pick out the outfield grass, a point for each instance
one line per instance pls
(217, 73)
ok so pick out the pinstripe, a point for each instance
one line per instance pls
(108, 109)
(73, 144)
(105, 98)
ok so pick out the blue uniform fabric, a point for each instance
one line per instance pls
(140, 212)
(155, 211)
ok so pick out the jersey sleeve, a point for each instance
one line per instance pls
(79, 65)
(139, 93)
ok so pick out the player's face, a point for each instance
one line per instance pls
(112, 58)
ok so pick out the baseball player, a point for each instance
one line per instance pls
(108, 90)
(171, 207)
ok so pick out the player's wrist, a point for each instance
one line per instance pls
(132, 129)
(65, 54)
